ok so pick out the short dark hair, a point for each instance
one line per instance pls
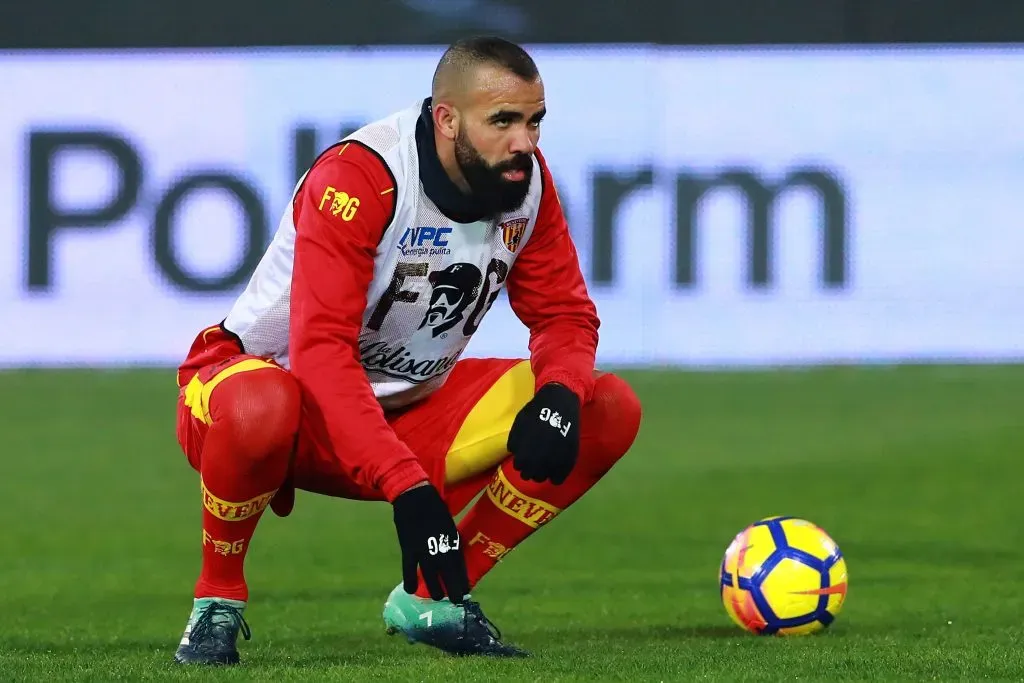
(464, 54)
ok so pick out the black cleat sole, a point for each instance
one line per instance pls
(192, 658)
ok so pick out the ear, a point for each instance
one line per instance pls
(446, 120)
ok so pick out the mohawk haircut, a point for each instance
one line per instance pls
(462, 56)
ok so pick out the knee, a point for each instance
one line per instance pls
(260, 409)
(610, 422)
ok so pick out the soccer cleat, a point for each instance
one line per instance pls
(455, 629)
(212, 631)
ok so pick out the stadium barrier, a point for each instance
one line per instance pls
(731, 207)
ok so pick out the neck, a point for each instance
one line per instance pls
(446, 154)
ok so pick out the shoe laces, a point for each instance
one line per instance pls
(205, 624)
(474, 614)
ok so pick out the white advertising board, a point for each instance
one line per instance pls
(730, 207)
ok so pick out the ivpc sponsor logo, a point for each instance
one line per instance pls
(425, 241)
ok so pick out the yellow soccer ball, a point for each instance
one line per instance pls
(783, 576)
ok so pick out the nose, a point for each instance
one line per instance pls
(522, 141)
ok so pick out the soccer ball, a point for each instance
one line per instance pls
(783, 576)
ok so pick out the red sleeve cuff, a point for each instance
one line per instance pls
(579, 387)
(401, 476)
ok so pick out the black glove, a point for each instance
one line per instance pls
(430, 540)
(545, 436)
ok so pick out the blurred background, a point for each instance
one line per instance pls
(748, 183)
(752, 185)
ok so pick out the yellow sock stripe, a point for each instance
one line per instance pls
(234, 512)
(197, 393)
(530, 511)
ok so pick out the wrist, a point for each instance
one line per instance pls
(402, 478)
(563, 380)
(562, 393)
(419, 485)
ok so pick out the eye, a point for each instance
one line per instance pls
(502, 123)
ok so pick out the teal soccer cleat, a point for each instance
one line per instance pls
(455, 629)
(212, 631)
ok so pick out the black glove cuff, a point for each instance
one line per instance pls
(416, 499)
(555, 394)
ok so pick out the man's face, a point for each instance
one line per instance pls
(498, 131)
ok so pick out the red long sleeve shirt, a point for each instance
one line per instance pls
(332, 272)
(547, 292)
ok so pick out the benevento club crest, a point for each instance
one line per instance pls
(512, 233)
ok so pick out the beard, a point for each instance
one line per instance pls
(496, 194)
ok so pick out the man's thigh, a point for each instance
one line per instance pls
(459, 432)
(480, 443)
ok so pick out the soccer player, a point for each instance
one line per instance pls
(337, 370)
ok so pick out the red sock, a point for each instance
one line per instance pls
(244, 461)
(512, 508)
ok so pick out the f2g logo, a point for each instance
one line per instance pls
(341, 203)
(452, 291)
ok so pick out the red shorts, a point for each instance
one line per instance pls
(428, 427)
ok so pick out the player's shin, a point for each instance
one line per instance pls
(228, 527)
(245, 461)
(512, 508)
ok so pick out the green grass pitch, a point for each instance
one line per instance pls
(916, 472)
